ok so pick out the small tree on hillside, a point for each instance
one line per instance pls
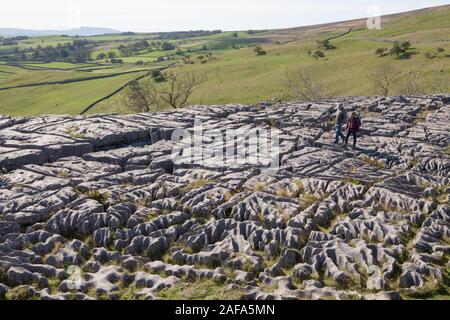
(384, 78)
(435, 54)
(325, 45)
(259, 51)
(180, 88)
(141, 96)
(430, 55)
(166, 46)
(158, 76)
(401, 50)
(381, 52)
(175, 91)
(112, 55)
(318, 55)
(305, 86)
(101, 56)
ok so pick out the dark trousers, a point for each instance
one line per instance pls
(349, 133)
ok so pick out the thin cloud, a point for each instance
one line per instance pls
(162, 15)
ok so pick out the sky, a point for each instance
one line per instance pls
(174, 15)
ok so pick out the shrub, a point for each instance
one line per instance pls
(158, 76)
(112, 55)
(259, 51)
(316, 54)
(401, 50)
(166, 46)
(99, 196)
(307, 200)
(18, 293)
(434, 54)
(304, 85)
(381, 52)
(325, 45)
(101, 56)
(196, 184)
(430, 55)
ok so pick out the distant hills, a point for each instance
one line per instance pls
(82, 31)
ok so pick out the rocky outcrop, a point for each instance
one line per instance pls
(95, 207)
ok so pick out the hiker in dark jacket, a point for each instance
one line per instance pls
(353, 125)
(340, 120)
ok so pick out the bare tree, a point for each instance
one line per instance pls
(175, 91)
(142, 96)
(305, 85)
(179, 88)
(384, 78)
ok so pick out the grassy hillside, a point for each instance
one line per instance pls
(70, 98)
(244, 77)
(240, 76)
(235, 74)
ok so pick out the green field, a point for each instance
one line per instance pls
(60, 99)
(235, 74)
(243, 77)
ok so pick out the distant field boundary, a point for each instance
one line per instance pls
(411, 41)
(92, 105)
(340, 35)
(8, 72)
(73, 80)
(36, 67)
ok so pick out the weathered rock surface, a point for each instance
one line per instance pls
(97, 207)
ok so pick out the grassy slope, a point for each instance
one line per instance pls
(239, 76)
(59, 99)
(28, 77)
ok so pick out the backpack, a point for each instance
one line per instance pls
(355, 124)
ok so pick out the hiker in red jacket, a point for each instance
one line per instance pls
(353, 125)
